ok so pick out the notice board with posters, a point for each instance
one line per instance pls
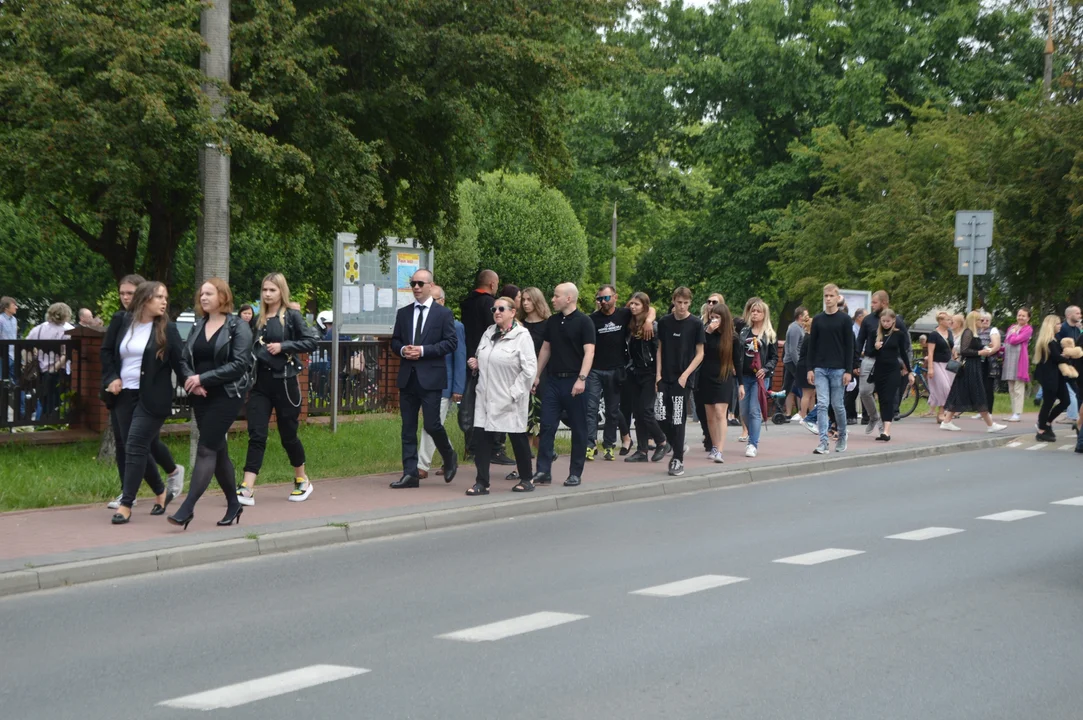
(366, 297)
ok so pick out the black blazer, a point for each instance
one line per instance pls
(109, 357)
(156, 376)
(232, 356)
(437, 340)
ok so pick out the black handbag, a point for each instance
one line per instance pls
(954, 366)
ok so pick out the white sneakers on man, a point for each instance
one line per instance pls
(750, 451)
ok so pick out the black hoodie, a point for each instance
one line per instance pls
(476, 313)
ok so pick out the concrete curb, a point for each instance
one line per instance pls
(73, 573)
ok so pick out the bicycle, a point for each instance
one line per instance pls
(912, 393)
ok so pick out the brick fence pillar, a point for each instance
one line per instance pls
(389, 375)
(302, 383)
(89, 412)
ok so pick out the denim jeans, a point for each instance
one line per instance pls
(829, 387)
(750, 410)
(603, 384)
(1073, 403)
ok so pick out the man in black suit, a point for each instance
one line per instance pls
(424, 333)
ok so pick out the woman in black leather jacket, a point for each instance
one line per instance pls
(280, 336)
(215, 361)
(642, 371)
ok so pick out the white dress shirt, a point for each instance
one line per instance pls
(414, 329)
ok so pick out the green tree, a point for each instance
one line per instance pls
(526, 232)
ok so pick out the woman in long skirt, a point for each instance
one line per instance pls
(937, 355)
(968, 391)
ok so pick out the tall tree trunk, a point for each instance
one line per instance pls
(212, 250)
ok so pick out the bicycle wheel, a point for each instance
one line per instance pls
(909, 402)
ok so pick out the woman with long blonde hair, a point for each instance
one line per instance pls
(760, 348)
(938, 352)
(280, 336)
(1048, 355)
(968, 391)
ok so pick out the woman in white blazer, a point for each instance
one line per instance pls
(506, 365)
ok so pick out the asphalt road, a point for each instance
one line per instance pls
(980, 624)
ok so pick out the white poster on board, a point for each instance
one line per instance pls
(385, 297)
(368, 298)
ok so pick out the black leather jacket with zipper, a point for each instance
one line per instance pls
(232, 356)
(297, 339)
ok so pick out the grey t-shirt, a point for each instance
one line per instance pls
(794, 334)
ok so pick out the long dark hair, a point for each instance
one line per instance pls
(143, 294)
(725, 339)
(637, 322)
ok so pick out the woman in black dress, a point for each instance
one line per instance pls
(216, 359)
(640, 383)
(1048, 355)
(533, 314)
(723, 355)
(892, 365)
(968, 390)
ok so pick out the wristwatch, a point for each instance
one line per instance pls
(583, 378)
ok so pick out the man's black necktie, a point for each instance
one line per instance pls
(417, 325)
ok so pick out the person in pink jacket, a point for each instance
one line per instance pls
(1016, 367)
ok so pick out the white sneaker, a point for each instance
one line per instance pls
(811, 427)
(115, 503)
(750, 451)
(246, 496)
(743, 438)
(1014, 418)
(718, 458)
(949, 425)
(976, 416)
(302, 488)
(175, 482)
(996, 427)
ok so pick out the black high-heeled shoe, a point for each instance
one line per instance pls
(160, 509)
(230, 519)
(174, 520)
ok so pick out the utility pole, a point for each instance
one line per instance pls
(1047, 78)
(613, 256)
(212, 233)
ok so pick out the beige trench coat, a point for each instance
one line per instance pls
(506, 370)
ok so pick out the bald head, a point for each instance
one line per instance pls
(487, 280)
(438, 294)
(421, 285)
(1073, 315)
(565, 298)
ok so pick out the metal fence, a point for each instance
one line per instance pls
(36, 382)
(358, 378)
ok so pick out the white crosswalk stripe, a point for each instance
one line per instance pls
(1038, 446)
(819, 556)
(925, 533)
(1070, 501)
(1012, 515)
(1066, 448)
(689, 586)
(265, 687)
(512, 627)
(1015, 444)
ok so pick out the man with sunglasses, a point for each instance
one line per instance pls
(424, 334)
(611, 327)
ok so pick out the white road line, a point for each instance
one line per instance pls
(513, 626)
(1014, 444)
(689, 586)
(265, 687)
(1012, 515)
(925, 533)
(1069, 501)
(1066, 448)
(820, 556)
(1039, 446)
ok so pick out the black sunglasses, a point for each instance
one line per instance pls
(712, 302)
(603, 298)
(500, 308)
(418, 283)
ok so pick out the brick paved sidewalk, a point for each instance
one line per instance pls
(38, 537)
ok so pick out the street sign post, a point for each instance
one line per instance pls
(973, 238)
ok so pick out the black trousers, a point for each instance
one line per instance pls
(850, 402)
(159, 452)
(466, 422)
(603, 384)
(138, 431)
(520, 445)
(413, 399)
(214, 414)
(642, 389)
(701, 415)
(278, 394)
(1050, 395)
(675, 403)
(558, 398)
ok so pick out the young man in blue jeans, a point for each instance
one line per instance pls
(830, 357)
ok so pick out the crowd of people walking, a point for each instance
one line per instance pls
(518, 367)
